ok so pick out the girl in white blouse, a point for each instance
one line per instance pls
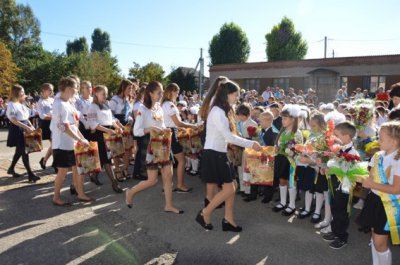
(44, 109)
(101, 120)
(217, 169)
(139, 149)
(18, 114)
(150, 118)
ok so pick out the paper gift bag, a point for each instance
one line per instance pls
(235, 155)
(195, 140)
(114, 145)
(33, 141)
(184, 139)
(259, 166)
(127, 138)
(159, 148)
(87, 158)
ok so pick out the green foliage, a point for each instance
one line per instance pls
(8, 70)
(184, 77)
(77, 46)
(100, 41)
(230, 45)
(284, 43)
(149, 72)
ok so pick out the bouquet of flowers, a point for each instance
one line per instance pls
(347, 169)
(287, 144)
(258, 166)
(159, 148)
(184, 139)
(254, 133)
(195, 140)
(33, 141)
(127, 138)
(363, 112)
(114, 145)
(87, 158)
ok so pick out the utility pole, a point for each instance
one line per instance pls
(333, 53)
(325, 45)
(200, 63)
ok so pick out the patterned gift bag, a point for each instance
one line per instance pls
(33, 141)
(87, 158)
(114, 145)
(184, 139)
(159, 148)
(258, 166)
(127, 137)
(235, 155)
(195, 140)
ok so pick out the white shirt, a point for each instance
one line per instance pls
(352, 151)
(170, 110)
(218, 133)
(266, 95)
(64, 114)
(136, 106)
(148, 118)
(97, 116)
(243, 125)
(388, 161)
(44, 107)
(18, 111)
(82, 105)
(120, 106)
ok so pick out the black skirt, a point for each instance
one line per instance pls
(86, 132)
(373, 215)
(176, 147)
(98, 137)
(64, 158)
(322, 183)
(281, 167)
(45, 126)
(216, 167)
(122, 118)
(15, 136)
(306, 178)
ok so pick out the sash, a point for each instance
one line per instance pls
(292, 171)
(390, 201)
(261, 136)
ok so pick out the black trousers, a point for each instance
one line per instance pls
(20, 152)
(140, 159)
(339, 203)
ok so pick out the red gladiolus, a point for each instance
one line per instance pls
(251, 131)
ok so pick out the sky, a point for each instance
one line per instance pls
(172, 32)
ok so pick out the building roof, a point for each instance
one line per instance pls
(319, 63)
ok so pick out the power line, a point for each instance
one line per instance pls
(365, 40)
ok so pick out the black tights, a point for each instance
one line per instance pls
(20, 151)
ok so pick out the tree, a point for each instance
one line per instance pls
(77, 46)
(284, 43)
(8, 70)
(149, 72)
(100, 41)
(230, 45)
(184, 77)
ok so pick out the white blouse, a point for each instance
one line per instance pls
(64, 115)
(44, 107)
(120, 106)
(218, 133)
(136, 106)
(18, 111)
(82, 105)
(97, 116)
(170, 110)
(148, 118)
(388, 161)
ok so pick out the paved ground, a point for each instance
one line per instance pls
(33, 231)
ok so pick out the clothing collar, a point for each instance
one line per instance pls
(347, 146)
(391, 155)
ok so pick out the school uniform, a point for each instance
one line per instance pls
(277, 123)
(20, 112)
(44, 109)
(169, 109)
(65, 115)
(305, 174)
(100, 116)
(140, 160)
(121, 109)
(215, 165)
(82, 105)
(339, 202)
(149, 118)
(373, 214)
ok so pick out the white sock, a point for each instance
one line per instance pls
(187, 164)
(375, 260)
(292, 197)
(328, 214)
(195, 164)
(240, 173)
(319, 199)
(385, 258)
(308, 201)
(247, 189)
(283, 194)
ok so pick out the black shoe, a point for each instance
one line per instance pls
(178, 190)
(249, 199)
(13, 174)
(226, 226)
(72, 190)
(329, 237)
(42, 164)
(304, 214)
(33, 178)
(279, 207)
(288, 211)
(139, 177)
(116, 187)
(337, 244)
(95, 179)
(316, 218)
(266, 200)
(200, 220)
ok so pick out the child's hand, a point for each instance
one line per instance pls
(368, 183)
(322, 171)
(256, 146)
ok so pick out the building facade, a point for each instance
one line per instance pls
(323, 75)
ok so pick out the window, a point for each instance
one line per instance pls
(281, 82)
(251, 84)
(343, 81)
(306, 84)
(377, 82)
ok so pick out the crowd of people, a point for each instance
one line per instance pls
(79, 114)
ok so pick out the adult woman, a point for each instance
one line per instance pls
(220, 131)
(18, 114)
(173, 121)
(150, 119)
